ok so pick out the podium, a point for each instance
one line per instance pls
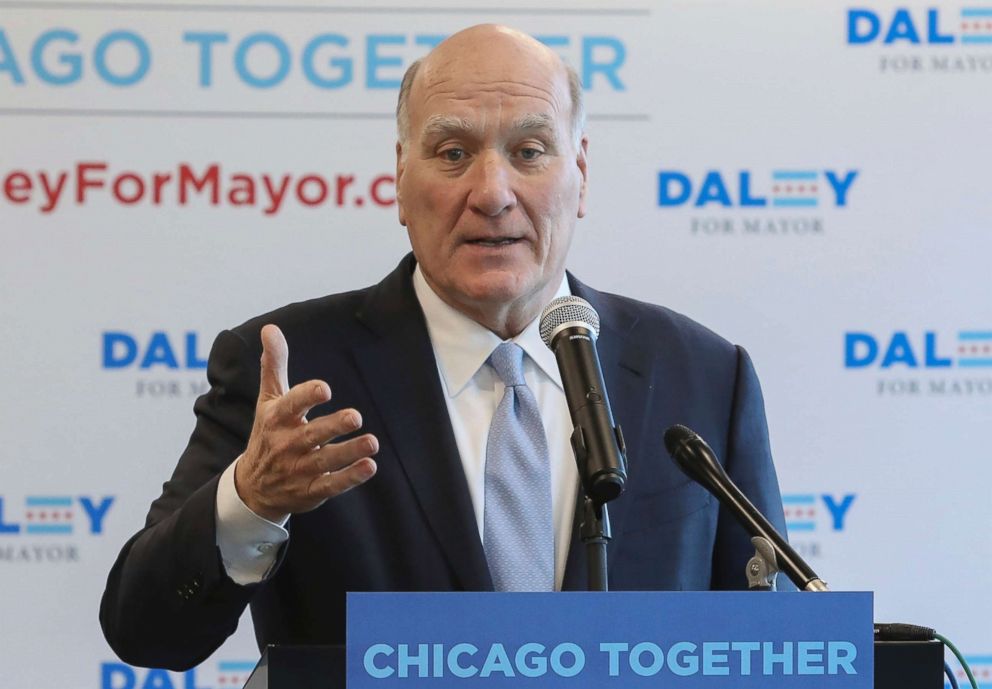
(690, 639)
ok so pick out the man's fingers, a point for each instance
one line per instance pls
(275, 363)
(339, 455)
(295, 404)
(337, 482)
(324, 429)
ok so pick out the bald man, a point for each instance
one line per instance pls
(287, 498)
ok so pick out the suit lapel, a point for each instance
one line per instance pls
(401, 372)
(627, 369)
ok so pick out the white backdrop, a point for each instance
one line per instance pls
(706, 118)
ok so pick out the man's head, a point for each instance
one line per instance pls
(491, 172)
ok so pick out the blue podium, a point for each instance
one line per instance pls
(602, 640)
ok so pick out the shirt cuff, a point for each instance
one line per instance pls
(248, 543)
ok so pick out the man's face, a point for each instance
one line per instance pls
(491, 181)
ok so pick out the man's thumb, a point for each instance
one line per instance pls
(275, 362)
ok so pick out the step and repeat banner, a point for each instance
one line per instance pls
(808, 179)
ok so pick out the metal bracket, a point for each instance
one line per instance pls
(763, 567)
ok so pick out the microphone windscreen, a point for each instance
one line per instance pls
(676, 435)
(564, 311)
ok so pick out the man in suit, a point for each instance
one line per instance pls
(274, 503)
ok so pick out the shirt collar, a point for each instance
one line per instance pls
(462, 346)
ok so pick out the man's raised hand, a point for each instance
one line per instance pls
(290, 465)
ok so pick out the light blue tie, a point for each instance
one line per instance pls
(518, 533)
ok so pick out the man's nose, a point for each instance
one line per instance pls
(492, 191)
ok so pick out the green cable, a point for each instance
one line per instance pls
(957, 654)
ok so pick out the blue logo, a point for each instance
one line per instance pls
(970, 25)
(543, 637)
(807, 512)
(786, 188)
(264, 59)
(230, 674)
(55, 514)
(971, 349)
(127, 350)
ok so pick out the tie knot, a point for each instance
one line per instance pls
(508, 362)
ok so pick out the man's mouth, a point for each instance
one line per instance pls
(501, 241)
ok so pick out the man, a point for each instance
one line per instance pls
(491, 179)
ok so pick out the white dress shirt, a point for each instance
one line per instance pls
(248, 543)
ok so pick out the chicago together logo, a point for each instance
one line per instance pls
(780, 201)
(225, 674)
(167, 364)
(28, 526)
(963, 354)
(261, 60)
(926, 39)
(808, 516)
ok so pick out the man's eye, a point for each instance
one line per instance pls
(531, 153)
(453, 155)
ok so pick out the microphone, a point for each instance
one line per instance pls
(569, 327)
(698, 461)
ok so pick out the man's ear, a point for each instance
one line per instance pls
(580, 161)
(400, 165)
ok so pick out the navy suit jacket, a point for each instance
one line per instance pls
(168, 602)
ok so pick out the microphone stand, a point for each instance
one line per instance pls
(595, 532)
(598, 490)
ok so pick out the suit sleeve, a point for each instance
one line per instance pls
(749, 465)
(168, 601)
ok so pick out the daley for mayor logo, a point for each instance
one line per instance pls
(225, 674)
(810, 516)
(158, 363)
(925, 39)
(780, 201)
(927, 362)
(35, 528)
